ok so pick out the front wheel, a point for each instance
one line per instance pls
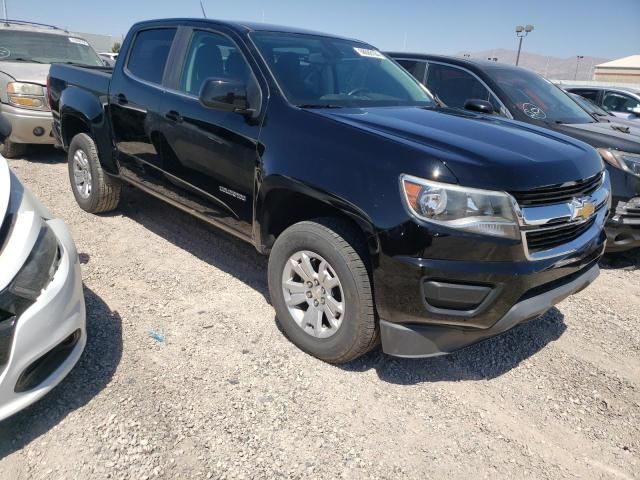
(321, 290)
(94, 190)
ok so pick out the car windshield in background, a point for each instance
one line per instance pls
(317, 71)
(536, 97)
(20, 46)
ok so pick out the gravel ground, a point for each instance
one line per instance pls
(186, 374)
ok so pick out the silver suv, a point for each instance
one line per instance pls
(26, 51)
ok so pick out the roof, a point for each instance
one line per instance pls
(632, 61)
(246, 27)
(26, 26)
(462, 61)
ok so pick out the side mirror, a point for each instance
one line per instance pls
(5, 128)
(224, 94)
(481, 106)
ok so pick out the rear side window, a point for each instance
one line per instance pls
(149, 53)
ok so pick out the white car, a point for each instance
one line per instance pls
(42, 310)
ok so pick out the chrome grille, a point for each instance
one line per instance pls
(548, 238)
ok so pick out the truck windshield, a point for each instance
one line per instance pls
(324, 72)
(536, 97)
(37, 47)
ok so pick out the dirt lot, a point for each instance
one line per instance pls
(225, 395)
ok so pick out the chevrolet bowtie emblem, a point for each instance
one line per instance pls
(581, 208)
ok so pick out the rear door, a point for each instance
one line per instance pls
(211, 155)
(136, 102)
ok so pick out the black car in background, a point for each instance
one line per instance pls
(520, 94)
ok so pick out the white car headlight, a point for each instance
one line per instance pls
(485, 212)
(629, 162)
(26, 95)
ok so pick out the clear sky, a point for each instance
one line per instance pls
(563, 28)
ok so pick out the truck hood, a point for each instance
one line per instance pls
(5, 187)
(482, 151)
(26, 72)
(612, 134)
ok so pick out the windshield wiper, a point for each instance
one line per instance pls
(318, 105)
(22, 59)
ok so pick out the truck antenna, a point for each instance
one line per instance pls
(204, 14)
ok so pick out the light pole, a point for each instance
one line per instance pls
(522, 32)
(466, 55)
(578, 58)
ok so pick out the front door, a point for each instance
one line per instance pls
(211, 155)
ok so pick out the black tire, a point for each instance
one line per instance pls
(339, 243)
(105, 190)
(13, 150)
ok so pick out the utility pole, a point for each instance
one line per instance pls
(522, 32)
(578, 58)
(4, 9)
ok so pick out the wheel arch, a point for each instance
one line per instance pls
(285, 202)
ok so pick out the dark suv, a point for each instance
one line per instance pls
(383, 214)
(514, 92)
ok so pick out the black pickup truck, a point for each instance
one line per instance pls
(385, 215)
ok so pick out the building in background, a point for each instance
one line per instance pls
(100, 43)
(623, 70)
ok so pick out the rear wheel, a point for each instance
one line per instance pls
(321, 290)
(13, 150)
(94, 190)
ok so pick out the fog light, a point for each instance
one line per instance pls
(38, 131)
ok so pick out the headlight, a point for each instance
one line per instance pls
(35, 274)
(629, 162)
(479, 211)
(26, 95)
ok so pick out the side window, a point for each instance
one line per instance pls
(619, 102)
(149, 53)
(455, 86)
(212, 55)
(415, 68)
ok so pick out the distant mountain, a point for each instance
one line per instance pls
(551, 67)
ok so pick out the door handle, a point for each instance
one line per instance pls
(121, 98)
(174, 116)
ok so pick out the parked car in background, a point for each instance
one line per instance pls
(514, 92)
(623, 102)
(26, 51)
(383, 215)
(42, 310)
(600, 113)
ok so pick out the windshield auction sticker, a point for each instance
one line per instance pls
(365, 52)
(79, 41)
(533, 111)
(4, 52)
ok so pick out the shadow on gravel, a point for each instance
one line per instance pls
(629, 260)
(92, 374)
(208, 243)
(484, 360)
(44, 154)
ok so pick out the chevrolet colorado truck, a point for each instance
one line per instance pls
(386, 216)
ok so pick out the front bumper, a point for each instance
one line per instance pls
(24, 121)
(57, 315)
(415, 341)
(623, 228)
